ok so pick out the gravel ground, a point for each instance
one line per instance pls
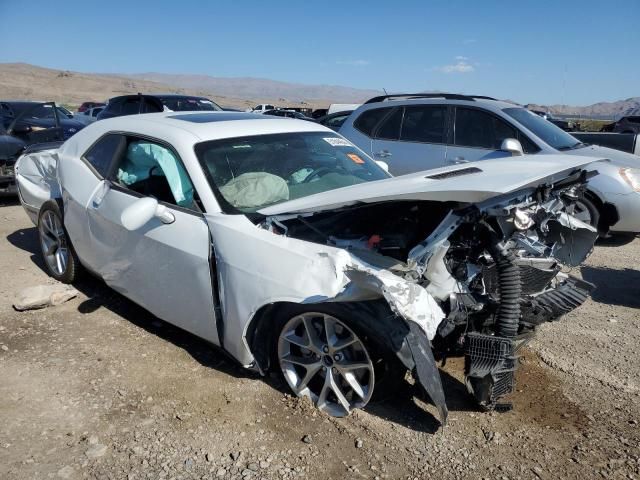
(99, 388)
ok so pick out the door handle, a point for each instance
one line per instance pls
(100, 193)
(456, 160)
(383, 154)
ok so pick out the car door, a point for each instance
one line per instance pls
(412, 138)
(39, 123)
(164, 265)
(477, 135)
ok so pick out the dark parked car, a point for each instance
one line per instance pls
(134, 104)
(88, 105)
(37, 122)
(27, 123)
(288, 114)
(629, 124)
(334, 120)
(625, 142)
(565, 125)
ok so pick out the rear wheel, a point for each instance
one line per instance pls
(57, 252)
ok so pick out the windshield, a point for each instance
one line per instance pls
(545, 130)
(249, 173)
(189, 104)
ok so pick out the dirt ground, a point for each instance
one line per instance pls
(98, 388)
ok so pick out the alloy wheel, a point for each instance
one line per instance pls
(53, 241)
(323, 359)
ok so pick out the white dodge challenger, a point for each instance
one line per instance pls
(285, 245)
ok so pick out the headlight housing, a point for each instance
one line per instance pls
(631, 176)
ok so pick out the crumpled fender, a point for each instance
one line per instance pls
(37, 179)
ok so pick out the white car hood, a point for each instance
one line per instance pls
(495, 178)
(618, 157)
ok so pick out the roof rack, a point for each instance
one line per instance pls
(447, 96)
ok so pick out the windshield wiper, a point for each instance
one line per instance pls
(572, 147)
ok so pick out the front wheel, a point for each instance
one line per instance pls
(323, 359)
(586, 211)
(59, 257)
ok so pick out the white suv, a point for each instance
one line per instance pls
(415, 132)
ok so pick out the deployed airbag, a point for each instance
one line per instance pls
(255, 189)
(146, 159)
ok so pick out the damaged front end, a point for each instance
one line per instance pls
(466, 279)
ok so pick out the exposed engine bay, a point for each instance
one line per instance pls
(496, 269)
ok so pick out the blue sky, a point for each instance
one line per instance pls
(574, 52)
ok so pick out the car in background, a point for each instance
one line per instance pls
(28, 123)
(37, 122)
(263, 107)
(630, 124)
(625, 142)
(334, 120)
(288, 114)
(141, 103)
(565, 125)
(90, 115)
(415, 132)
(87, 105)
(319, 112)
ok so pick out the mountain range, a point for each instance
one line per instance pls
(25, 81)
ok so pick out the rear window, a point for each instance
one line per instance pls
(424, 124)
(102, 152)
(368, 120)
(189, 104)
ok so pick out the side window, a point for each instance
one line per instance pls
(424, 124)
(527, 145)
(368, 120)
(131, 107)
(154, 170)
(149, 106)
(102, 152)
(114, 107)
(390, 128)
(475, 128)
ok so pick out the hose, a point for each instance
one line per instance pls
(510, 288)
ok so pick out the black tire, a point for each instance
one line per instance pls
(591, 208)
(71, 268)
(388, 370)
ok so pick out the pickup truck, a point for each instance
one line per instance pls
(626, 142)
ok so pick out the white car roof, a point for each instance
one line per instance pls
(188, 128)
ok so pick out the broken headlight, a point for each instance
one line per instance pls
(631, 176)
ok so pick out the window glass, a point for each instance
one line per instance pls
(527, 145)
(269, 107)
(131, 107)
(543, 129)
(249, 173)
(368, 120)
(101, 154)
(390, 128)
(475, 128)
(336, 121)
(154, 170)
(424, 124)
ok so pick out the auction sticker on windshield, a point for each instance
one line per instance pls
(337, 142)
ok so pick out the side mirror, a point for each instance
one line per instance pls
(141, 211)
(512, 146)
(383, 165)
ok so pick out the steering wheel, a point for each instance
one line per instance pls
(317, 173)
